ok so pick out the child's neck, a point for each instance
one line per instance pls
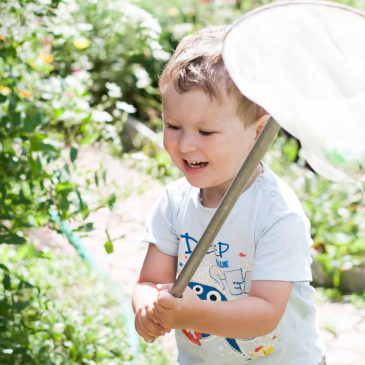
(211, 198)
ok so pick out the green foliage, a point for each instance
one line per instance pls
(358, 4)
(335, 295)
(32, 178)
(114, 45)
(179, 18)
(158, 165)
(47, 317)
(152, 354)
(76, 321)
(69, 74)
(336, 210)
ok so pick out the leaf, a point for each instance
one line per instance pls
(14, 118)
(36, 141)
(73, 154)
(4, 268)
(83, 207)
(65, 186)
(46, 147)
(111, 200)
(88, 139)
(11, 238)
(33, 120)
(109, 248)
(25, 285)
(103, 176)
(19, 306)
(7, 282)
(38, 164)
(85, 227)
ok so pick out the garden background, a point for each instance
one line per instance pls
(81, 162)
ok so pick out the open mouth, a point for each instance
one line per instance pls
(195, 164)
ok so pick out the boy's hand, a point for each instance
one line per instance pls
(158, 267)
(146, 326)
(171, 312)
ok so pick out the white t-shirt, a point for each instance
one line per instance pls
(265, 237)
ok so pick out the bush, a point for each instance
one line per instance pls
(53, 310)
(33, 177)
(69, 71)
(116, 44)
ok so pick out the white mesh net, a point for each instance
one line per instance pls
(304, 62)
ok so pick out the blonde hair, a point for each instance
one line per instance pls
(198, 63)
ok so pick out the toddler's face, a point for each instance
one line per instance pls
(205, 139)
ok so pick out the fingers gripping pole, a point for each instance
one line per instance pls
(257, 152)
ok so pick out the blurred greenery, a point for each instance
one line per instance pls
(336, 210)
(47, 317)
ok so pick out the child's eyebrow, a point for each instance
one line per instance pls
(200, 124)
(166, 117)
(208, 125)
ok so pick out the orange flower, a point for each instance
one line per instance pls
(24, 93)
(2, 37)
(4, 90)
(46, 58)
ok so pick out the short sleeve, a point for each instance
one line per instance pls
(283, 250)
(160, 226)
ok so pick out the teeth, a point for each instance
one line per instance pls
(195, 164)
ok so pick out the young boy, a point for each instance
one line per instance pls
(250, 300)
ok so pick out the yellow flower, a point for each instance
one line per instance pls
(24, 93)
(46, 58)
(81, 43)
(4, 90)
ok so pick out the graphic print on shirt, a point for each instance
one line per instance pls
(206, 292)
(218, 249)
(223, 279)
(237, 281)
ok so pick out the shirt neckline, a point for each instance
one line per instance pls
(258, 178)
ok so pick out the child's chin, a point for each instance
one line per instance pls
(194, 183)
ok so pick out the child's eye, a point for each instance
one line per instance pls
(206, 133)
(173, 127)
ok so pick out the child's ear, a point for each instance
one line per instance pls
(260, 124)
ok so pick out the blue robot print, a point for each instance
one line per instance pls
(206, 292)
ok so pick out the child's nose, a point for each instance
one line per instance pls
(187, 143)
